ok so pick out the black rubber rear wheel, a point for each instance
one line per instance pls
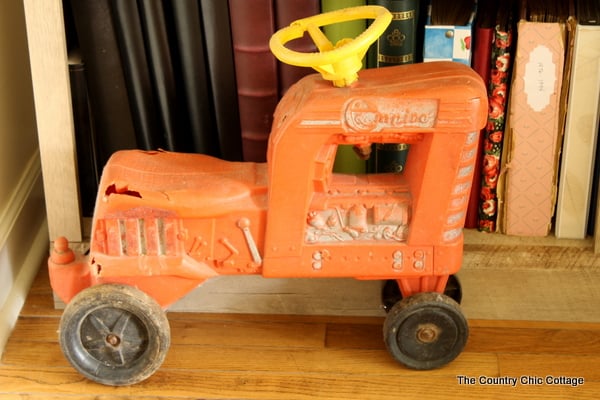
(114, 334)
(425, 331)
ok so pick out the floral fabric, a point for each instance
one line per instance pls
(494, 131)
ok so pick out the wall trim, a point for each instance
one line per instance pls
(18, 198)
(10, 310)
(23, 244)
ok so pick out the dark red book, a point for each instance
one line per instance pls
(483, 39)
(252, 25)
(286, 12)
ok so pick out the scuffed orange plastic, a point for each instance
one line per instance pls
(166, 222)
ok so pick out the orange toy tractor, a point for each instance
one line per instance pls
(166, 222)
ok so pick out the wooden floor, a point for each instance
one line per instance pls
(306, 357)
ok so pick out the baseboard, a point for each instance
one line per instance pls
(17, 200)
(23, 245)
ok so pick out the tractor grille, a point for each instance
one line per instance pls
(137, 236)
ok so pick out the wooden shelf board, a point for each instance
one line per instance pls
(503, 277)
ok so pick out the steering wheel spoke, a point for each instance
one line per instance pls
(319, 38)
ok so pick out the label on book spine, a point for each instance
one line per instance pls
(540, 78)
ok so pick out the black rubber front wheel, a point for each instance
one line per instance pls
(425, 331)
(114, 334)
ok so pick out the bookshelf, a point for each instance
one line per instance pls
(49, 72)
(503, 277)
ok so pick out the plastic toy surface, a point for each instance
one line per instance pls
(165, 222)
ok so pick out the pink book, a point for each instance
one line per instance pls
(533, 135)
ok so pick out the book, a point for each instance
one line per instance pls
(136, 71)
(593, 227)
(396, 46)
(172, 117)
(159, 70)
(493, 133)
(163, 55)
(221, 71)
(286, 12)
(483, 39)
(592, 15)
(398, 43)
(252, 25)
(532, 135)
(448, 31)
(343, 30)
(85, 142)
(192, 80)
(109, 103)
(581, 126)
(346, 161)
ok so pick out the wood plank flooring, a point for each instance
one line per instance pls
(249, 356)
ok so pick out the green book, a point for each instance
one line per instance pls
(342, 30)
(346, 160)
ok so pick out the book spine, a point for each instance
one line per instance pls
(493, 133)
(349, 29)
(252, 25)
(534, 129)
(221, 70)
(580, 138)
(398, 44)
(162, 74)
(136, 71)
(447, 42)
(87, 169)
(287, 11)
(193, 70)
(108, 98)
(346, 160)
(481, 63)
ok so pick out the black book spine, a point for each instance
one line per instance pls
(87, 169)
(108, 97)
(192, 57)
(137, 75)
(162, 73)
(221, 70)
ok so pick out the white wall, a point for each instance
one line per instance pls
(23, 231)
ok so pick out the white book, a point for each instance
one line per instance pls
(580, 136)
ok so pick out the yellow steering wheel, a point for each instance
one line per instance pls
(339, 63)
